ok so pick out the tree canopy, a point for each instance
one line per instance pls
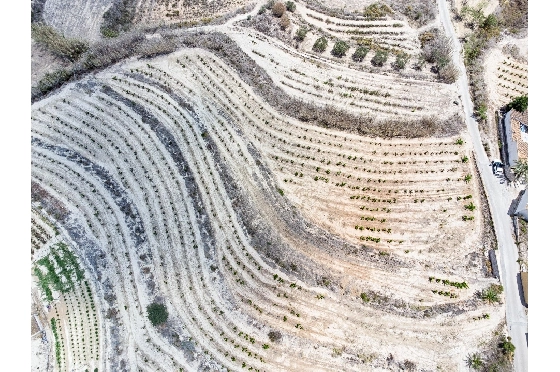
(157, 313)
(520, 103)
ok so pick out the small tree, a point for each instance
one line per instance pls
(360, 53)
(157, 313)
(521, 170)
(380, 58)
(284, 21)
(340, 48)
(290, 6)
(474, 361)
(301, 33)
(481, 111)
(278, 9)
(520, 103)
(275, 336)
(420, 63)
(401, 61)
(507, 346)
(376, 10)
(320, 44)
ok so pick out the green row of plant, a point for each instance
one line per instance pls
(449, 282)
(445, 293)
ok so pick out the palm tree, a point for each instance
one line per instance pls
(521, 170)
(474, 361)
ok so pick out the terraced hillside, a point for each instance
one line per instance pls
(275, 244)
(319, 81)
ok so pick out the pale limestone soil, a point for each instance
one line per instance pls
(176, 267)
(408, 93)
(77, 19)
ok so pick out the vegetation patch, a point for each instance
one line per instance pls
(70, 49)
(157, 313)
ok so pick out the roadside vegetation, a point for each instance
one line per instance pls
(496, 356)
(511, 17)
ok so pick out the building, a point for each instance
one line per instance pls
(516, 136)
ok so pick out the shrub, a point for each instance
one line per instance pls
(320, 44)
(514, 14)
(360, 53)
(364, 297)
(380, 58)
(290, 6)
(376, 10)
(419, 12)
(438, 49)
(481, 111)
(340, 48)
(420, 63)
(301, 33)
(492, 294)
(157, 313)
(275, 336)
(474, 361)
(401, 61)
(109, 33)
(521, 170)
(520, 103)
(70, 49)
(284, 21)
(118, 18)
(52, 80)
(278, 9)
(448, 74)
(507, 347)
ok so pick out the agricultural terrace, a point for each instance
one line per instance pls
(154, 12)
(42, 231)
(386, 32)
(507, 77)
(180, 186)
(316, 80)
(73, 319)
(75, 19)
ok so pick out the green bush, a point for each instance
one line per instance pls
(507, 347)
(376, 10)
(157, 313)
(401, 61)
(380, 58)
(301, 33)
(492, 294)
(360, 53)
(364, 297)
(340, 48)
(520, 103)
(481, 111)
(475, 361)
(320, 45)
(290, 6)
(107, 32)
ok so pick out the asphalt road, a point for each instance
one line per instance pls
(499, 199)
